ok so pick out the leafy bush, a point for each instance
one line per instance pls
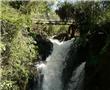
(86, 14)
(17, 49)
(17, 46)
(16, 67)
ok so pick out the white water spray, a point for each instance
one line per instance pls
(55, 63)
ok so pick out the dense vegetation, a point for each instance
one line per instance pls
(85, 14)
(88, 16)
(92, 20)
(18, 33)
(18, 51)
(17, 47)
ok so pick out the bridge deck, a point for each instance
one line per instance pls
(54, 22)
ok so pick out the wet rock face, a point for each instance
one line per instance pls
(76, 56)
(104, 72)
(99, 76)
(44, 47)
(62, 37)
(72, 32)
(86, 51)
(96, 42)
(93, 72)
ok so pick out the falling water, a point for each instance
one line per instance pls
(76, 82)
(51, 70)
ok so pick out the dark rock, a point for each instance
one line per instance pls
(76, 56)
(89, 51)
(72, 32)
(44, 47)
(62, 37)
(98, 77)
(95, 44)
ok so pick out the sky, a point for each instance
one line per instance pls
(57, 1)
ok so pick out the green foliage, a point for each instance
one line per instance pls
(8, 85)
(23, 43)
(2, 47)
(91, 17)
(87, 14)
(18, 4)
(17, 46)
(19, 52)
(65, 10)
(14, 17)
(20, 57)
(17, 49)
(7, 31)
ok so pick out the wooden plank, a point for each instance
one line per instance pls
(54, 22)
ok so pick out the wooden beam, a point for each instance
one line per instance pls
(54, 22)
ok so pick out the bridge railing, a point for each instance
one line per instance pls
(53, 22)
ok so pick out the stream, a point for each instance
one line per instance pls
(50, 70)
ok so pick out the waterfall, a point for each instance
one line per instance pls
(51, 70)
(76, 82)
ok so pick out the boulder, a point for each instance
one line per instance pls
(44, 47)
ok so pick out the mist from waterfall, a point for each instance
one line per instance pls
(51, 70)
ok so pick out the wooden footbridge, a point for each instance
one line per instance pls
(53, 22)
